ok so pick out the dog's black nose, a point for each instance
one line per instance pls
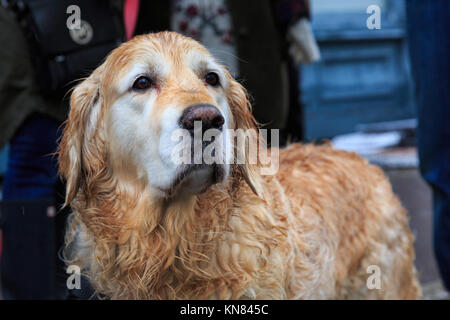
(209, 115)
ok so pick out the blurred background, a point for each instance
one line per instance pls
(364, 75)
(360, 95)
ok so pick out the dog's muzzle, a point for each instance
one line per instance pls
(200, 173)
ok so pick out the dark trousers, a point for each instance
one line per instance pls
(32, 169)
(429, 42)
(32, 233)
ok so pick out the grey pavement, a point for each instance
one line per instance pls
(416, 198)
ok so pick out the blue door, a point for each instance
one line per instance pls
(364, 74)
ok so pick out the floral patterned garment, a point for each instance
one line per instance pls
(209, 22)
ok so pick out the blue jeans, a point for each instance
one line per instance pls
(29, 261)
(429, 43)
(31, 171)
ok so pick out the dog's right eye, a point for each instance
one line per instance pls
(142, 83)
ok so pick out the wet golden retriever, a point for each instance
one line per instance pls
(325, 226)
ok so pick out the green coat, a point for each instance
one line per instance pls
(19, 93)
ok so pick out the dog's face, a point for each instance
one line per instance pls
(135, 111)
(163, 86)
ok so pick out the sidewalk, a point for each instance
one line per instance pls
(416, 198)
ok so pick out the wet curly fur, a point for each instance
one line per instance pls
(308, 232)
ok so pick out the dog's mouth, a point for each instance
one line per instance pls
(196, 178)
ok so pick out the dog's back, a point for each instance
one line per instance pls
(356, 227)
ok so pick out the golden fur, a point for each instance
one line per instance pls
(309, 232)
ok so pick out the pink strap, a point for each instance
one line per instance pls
(130, 15)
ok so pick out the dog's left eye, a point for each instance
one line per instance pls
(142, 83)
(212, 79)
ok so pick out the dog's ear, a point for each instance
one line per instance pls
(78, 131)
(243, 118)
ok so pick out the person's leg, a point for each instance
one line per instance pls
(29, 261)
(32, 169)
(429, 42)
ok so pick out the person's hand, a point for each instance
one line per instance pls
(303, 46)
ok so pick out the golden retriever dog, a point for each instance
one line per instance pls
(325, 226)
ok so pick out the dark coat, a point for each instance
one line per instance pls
(262, 70)
(20, 95)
